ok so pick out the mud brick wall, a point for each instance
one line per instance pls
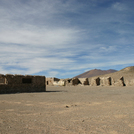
(20, 83)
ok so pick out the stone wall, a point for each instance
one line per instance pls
(95, 81)
(72, 82)
(84, 81)
(120, 82)
(51, 81)
(68, 82)
(105, 81)
(129, 82)
(59, 83)
(20, 83)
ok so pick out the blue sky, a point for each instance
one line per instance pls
(64, 38)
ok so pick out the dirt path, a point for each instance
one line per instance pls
(69, 110)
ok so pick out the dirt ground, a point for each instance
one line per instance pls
(69, 110)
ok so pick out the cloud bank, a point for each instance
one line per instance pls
(64, 38)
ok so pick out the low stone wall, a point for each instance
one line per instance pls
(20, 83)
(107, 81)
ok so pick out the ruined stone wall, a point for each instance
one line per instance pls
(84, 81)
(129, 82)
(105, 81)
(72, 82)
(119, 82)
(20, 83)
(59, 83)
(51, 81)
(68, 82)
(95, 81)
(75, 81)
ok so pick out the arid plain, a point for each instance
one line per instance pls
(69, 110)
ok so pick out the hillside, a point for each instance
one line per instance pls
(95, 72)
(127, 73)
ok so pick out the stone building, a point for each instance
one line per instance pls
(95, 81)
(84, 81)
(120, 82)
(72, 82)
(62, 82)
(105, 81)
(51, 81)
(130, 82)
(22, 83)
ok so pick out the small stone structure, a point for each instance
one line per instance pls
(75, 81)
(84, 81)
(95, 81)
(51, 81)
(120, 82)
(72, 82)
(130, 82)
(105, 81)
(68, 82)
(19, 83)
(62, 82)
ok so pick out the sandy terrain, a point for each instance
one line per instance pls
(69, 110)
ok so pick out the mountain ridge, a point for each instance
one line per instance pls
(95, 72)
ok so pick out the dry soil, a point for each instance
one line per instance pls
(69, 110)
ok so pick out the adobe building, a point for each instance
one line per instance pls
(22, 83)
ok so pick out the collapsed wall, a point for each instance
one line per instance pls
(130, 82)
(84, 81)
(59, 83)
(68, 82)
(119, 82)
(20, 83)
(72, 82)
(95, 81)
(105, 81)
(52, 81)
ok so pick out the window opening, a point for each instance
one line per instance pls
(26, 80)
(3, 81)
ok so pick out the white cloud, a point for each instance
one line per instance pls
(102, 65)
(119, 6)
(47, 35)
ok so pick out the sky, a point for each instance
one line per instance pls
(64, 38)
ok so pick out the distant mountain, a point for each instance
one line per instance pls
(95, 72)
(127, 73)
